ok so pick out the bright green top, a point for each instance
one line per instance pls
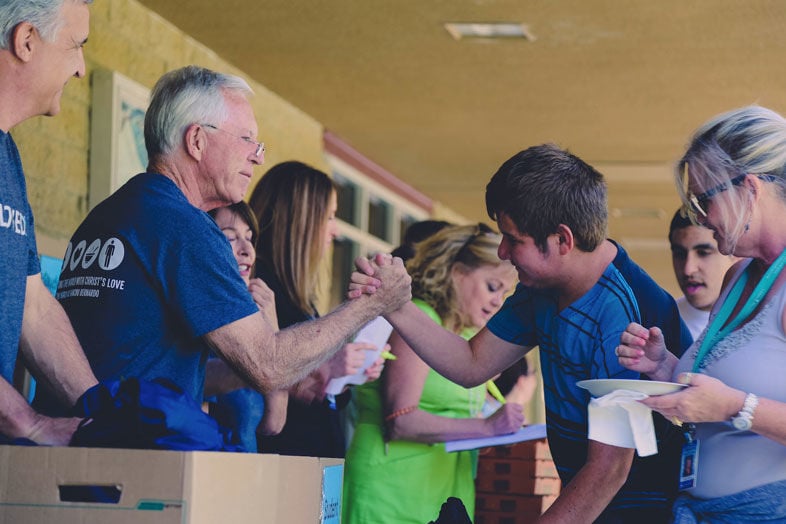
(410, 482)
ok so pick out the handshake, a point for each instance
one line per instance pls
(383, 280)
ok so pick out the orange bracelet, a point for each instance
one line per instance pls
(399, 412)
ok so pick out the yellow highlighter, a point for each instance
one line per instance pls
(494, 391)
(387, 355)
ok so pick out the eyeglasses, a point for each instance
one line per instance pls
(260, 146)
(699, 203)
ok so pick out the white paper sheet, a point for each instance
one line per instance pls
(376, 332)
(533, 432)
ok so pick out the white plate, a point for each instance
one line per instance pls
(603, 386)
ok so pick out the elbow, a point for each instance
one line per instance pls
(269, 377)
(398, 429)
(394, 431)
(270, 428)
(471, 383)
(617, 473)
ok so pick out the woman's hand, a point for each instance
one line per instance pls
(349, 359)
(507, 419)
(644, 350)
(265, 300)
(706, 399)
(375, 370)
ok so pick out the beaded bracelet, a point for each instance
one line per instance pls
(399, 412)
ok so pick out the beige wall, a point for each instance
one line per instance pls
(126, 37)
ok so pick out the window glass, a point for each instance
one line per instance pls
(379, 218)
(347, 193)
(344, 254)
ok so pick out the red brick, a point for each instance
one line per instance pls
(509, 468)
(531, 449)
(486, 502)
(522, 485)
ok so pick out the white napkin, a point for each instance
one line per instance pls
(618, 419)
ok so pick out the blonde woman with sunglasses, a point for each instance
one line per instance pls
(733, 410)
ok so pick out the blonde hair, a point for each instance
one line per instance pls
(750, 140)
(464, 248)
(291, 205)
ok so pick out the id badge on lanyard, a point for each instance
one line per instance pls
(689, 461)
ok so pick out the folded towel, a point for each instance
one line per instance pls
(619, 419)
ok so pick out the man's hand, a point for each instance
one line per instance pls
(53, 431)
(384, 278)
(644, 350)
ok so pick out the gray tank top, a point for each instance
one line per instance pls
(752, 359)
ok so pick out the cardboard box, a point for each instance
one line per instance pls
(97, 486)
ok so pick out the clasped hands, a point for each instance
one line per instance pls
(383, 277)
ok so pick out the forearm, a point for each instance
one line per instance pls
(17, 418)
(422, 426)
(270, 360)
(769, 420)
(275, 415)
(446, 352)
(302, 348)
(49, 346)
(592, 489)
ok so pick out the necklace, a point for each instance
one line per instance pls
(714, 332)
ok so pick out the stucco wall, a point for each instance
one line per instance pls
(130, 39)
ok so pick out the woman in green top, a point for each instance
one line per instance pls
(397, 469)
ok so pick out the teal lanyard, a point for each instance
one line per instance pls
(714, 332)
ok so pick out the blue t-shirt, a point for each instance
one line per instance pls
(657, 306)
(145, 276)
(576, 344)
(18, 252)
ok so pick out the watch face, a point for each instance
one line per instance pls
(741, 423)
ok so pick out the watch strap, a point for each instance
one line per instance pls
(744, 418)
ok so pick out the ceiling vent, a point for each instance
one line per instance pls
(489, 31)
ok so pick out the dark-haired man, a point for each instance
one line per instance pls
(699, 269)
(577, 293)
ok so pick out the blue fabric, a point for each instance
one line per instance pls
(18, 252)
(578, 343)
(241, 411)
(145, 276)
(765, 503)
(140, 414)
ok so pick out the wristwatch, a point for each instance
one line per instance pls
(743, 420)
